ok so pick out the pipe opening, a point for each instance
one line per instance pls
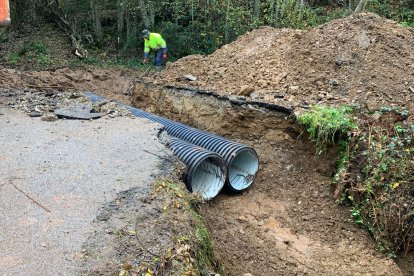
(208, 177)
(243, 169)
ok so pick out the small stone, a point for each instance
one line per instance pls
(289, 167)
(297, 35)
(334, 82)
(372, 106)
(246, 90)
(321, 95)
(49, 117)
(363, 41)
(330, 96)
(35, 114)
(190, 77)
(293, 88)
(376, 117)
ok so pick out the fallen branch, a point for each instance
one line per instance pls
(28, 196)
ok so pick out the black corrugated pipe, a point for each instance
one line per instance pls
(206, 170)
(242, 161)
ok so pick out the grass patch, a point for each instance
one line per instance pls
(34, 52)
(326, 125)
(189, 249)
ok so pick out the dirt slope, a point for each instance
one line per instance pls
(364, 58)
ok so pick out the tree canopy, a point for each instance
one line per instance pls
(189, 26)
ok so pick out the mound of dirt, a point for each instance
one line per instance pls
(364, 58)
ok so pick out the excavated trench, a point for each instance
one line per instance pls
(287, 223)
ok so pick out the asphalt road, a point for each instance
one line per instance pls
(54, 177)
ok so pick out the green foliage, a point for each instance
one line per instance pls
(33, 52)
(399, 10)
(375, 168)
(14, 58)
(3, 36)
(378, 178)
(205, 255)
(190, 27)
(192, 39)
(325, 124)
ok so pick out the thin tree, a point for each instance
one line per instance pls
(96, 19)
(256, 10)
(144, 13)
(120, 19)
(361, 6)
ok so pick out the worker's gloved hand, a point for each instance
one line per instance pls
(164, 56)
(145, 61)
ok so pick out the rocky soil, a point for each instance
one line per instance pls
(115, 84)
(364, 59)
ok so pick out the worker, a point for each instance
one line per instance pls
(155, 42)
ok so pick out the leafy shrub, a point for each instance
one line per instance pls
(375, 174)
(379, 180)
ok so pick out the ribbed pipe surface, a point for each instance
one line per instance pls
(242, 161)
(206, 170)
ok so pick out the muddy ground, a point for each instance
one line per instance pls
(291, 225)
(288, 223)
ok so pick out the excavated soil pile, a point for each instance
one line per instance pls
(365, 59)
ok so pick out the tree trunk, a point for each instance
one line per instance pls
(283, 9)
(151, 13)
(361, 6)
(121, 13)
(276, 9)
(96, 20)
(128, 25)
(192, 11)
(144, 14)
(256, 10)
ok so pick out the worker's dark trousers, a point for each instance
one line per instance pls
(158, 58)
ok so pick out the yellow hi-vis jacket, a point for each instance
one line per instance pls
(155, 42)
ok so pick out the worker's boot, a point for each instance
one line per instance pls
(158, 68)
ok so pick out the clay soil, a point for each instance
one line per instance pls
(288, 223)
(365, 59)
